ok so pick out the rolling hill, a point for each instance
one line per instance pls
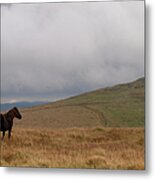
(118, 106)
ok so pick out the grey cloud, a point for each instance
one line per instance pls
(55, 50)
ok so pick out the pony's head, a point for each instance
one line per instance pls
(17, 113)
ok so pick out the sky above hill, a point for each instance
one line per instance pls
(51, 51)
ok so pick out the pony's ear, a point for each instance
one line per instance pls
(15, 108)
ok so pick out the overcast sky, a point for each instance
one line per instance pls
(55, 50)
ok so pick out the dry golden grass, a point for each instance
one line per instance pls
(57, 116)
(107, 148)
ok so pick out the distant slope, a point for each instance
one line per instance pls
(118, 106)
(23, 104)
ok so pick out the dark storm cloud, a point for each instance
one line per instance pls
(50, 51)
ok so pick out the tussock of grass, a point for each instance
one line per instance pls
(107, 148)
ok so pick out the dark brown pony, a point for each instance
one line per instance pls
(6, 121)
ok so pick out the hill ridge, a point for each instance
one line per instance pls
(118, 106)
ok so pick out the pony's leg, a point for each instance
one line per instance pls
(3, 135)
(9, 134)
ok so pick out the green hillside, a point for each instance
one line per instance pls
(118, 106)
(121, 105)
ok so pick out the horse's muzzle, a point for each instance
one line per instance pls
(20, 117)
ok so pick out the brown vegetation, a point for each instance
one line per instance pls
(107, 148)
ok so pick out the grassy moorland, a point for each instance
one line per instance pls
(99, 129)
(107, 148)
